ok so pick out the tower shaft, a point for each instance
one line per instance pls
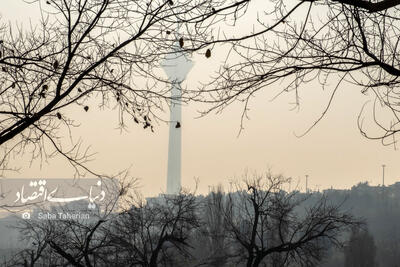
(175, 143)
(176, 66)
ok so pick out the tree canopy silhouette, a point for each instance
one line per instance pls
(111, 50)
(82, 49)
(333, 43)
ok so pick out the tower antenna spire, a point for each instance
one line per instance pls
(306, 183)
(383, 174)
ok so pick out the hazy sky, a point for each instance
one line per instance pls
(333, 154)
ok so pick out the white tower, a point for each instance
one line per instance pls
(176, 66)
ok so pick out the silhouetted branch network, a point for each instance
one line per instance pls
(112, 49)
(107, 50)
(266, 224)
(296, 44)
(258, 225)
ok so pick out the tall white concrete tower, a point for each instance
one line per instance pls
(176, 65)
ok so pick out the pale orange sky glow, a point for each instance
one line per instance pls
(333, 153)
